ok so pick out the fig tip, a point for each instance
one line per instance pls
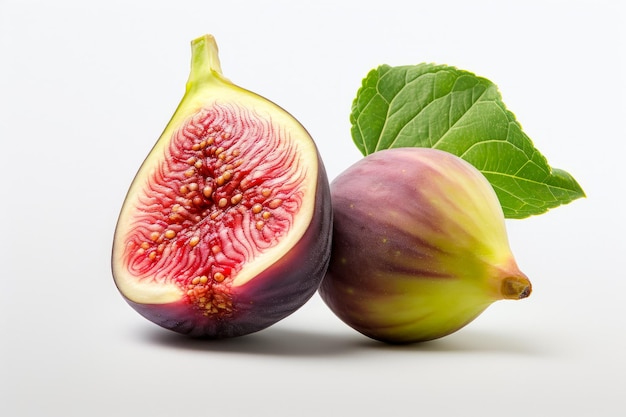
(515, 287)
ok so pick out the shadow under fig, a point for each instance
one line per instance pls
(285, 341)
(466, 340)
(276, 341)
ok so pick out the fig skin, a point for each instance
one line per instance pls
(273, 281)
(419, 246)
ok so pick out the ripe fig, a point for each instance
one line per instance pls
(226, 228)
(419, 246)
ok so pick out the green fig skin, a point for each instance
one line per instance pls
(419, 246)
(226, 228)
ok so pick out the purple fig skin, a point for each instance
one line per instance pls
(272, 295)
(419, 246)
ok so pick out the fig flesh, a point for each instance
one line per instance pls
(419, 246)
(226, 228)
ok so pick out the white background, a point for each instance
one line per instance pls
(87, 87)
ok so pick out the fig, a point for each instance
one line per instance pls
(420, 247)
(226, 227)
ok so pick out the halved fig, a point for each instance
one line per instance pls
(226, 228)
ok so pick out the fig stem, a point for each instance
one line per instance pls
(515, 287)
(205, 62)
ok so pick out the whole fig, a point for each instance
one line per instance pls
(419, 246)
(226, 228)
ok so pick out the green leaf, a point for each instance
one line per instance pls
(438, 106)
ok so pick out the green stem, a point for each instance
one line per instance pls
(205, 62)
